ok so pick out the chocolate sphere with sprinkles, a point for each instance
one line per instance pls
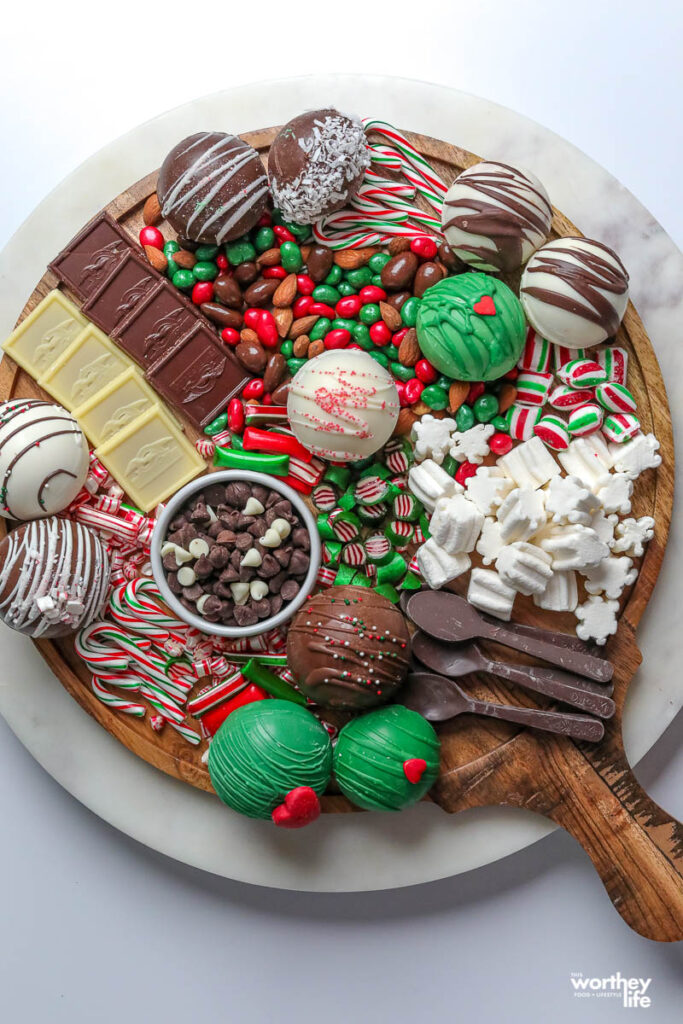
(349, 647)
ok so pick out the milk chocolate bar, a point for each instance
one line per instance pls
(91, 256)
(156, 327)
(127, 285)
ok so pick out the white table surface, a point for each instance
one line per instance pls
(101, 917)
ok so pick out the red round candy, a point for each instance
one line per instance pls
(277, 273)
(230, 336)
(380, 333)
(476, 390)
(371, 293)
(500, 444)
(222, 262)
(252, 317)
(202, 292)
(412, 390)
(151, 236)
(264, 221)
(338, 338)
(254, 389)
(425, 372)
(283, 234)
(398, 337)
(465, 471)
(322, 309)
(235, 415)
(424, 247)
(302, 306)
(348, 306)
(304, 284)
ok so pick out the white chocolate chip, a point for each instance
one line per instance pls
(181, 555)
(198, 547)
(252, 559)
(186, 576)
(240, 592)
(167, 548)
(253, 507)
(212, 515)
(258, 589)
(201, 602)
(282, 527)
(271, 539)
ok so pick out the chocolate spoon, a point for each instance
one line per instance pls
(439, 699)
(450, 661)
(448, 617)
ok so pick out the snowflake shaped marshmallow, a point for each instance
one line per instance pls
(473, 444)
(490, 542)
(488, 488)
(633, 534)
(634, 457)
(432, 438)
(613, 491)
(567, 500)
(597, 619)
(610, 576)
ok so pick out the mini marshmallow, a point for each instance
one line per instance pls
(524, 567)
(561, 593)
(521, 515)
(490, 542)
(490, 594)
(198, 547)
(573, 546)
(597, 619)
(610, 577)
(429, 482)
(588, 458)
(432, 438)
(633, 534)
(568, 501)
(613, 491)
(282, 526)
(488, 488)
(253, 507)
(437, 567)
(473, 444)
(634, 457)
(240, 592)
(456, 524)
(530, 464)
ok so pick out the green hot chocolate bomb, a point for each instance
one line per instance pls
(386, 760)
(263, 752)
(471, 327)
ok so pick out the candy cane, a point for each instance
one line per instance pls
(407, 152)
(136, 607)
(111, 700)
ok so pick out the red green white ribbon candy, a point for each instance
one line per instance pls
(621, 427)
(521, 420)
(536, 354)
(564, 397)
(553, 431)
(582, 373)
(614, 362)
(533, 388)
(585, 420)
(615, 397)
(562, 356)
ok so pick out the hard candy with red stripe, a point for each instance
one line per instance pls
(582, 373)
(370, 490)
(562, 356)
(621, 427)
(564, 397)
(585, 420)
(553, 431)
(537, 353)
(615, 397)
(521, 420)
(533, 388)
(354, 554)
(324, 498)
(614, 362)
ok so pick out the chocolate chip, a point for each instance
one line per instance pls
(212, 606)
(226, 537)
(218, 556)
(275, 584)
(203, 567)
(269, 567)
(235, 558)
(193, 593)
(245, 615)
(276, 604)
(289, 590)
(262, 608)
(236, 494)
(229, 575)
(214, 495)
(258, 528)
(173, 585)
(260, 492)
(169, 562)
(178, 523)
(283, 555)
(301, 539)
(243, 541)
(223, 589)
(243, 522)
(299, 563)
(215, 529)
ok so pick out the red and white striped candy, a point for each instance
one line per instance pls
(353, 554)
(562, 356)
(106, 503)
(585, 420)
(309, 473)
(397, 462)
(223, 439)
(614, 362)
(536, 354)
(370, 490)
(377, 547)
(615, 397)
(553, 431)
(215, 695)
(105, 522)
(264, 414)
(621, 427)
(145, 533)
(206, 446)
(324, 498)
(533, 388)
(97, 470)
(326, 577)
(413, 566)
(564, 397)
(521, 420)
(582, 373)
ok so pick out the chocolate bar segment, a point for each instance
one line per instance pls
(90, 257)
(127, 285)
(156, 327)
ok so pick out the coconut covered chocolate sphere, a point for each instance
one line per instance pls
(43, 458)
(342, 405)
(349, 647)
(386, 760)
(495, 216)
(271, 759)
(212, 187)
(54, 576)
(316, 163)
(471, 327)
(575, 292)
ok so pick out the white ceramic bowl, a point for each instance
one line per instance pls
(171, 511)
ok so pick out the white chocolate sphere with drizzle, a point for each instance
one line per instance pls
(342, 405)
(43, 458)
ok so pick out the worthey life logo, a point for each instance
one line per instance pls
(633, 992)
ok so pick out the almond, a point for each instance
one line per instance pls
(420, 408)
(352, 259)
(302, 326)
(283, 318)
(457, 393)
(405, 421)
(300, 348)
(391, 316)
(315, 348)
(156, 258)
(269, 258)
(286, 291)
(247, 334)
(151, 211)
(184, 259)
(305, 252)
(397, 245)
(506, 396)
(409, 349)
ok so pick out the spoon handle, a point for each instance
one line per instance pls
(556, 684)
(567, 658)
(579, 727)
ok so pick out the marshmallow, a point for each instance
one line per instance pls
(568, 501)
(456, 524)
(490, 542)
(521, 515)
(604, 526)
(437, 567)
(473, 444)
(597, 619)
(633, 534)
(487, 488)
(573, 547)
(561, 593)
(588, 458)
(610, 577)
(613, 491)
(530, 464)
(488, 592)
(432, 438)
(524, 567)
(634, 457)
(429, 482)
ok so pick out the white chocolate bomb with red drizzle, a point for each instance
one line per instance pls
(54, 576)
(495, 216)
(574, 292)
(43, 458)
(342, 405)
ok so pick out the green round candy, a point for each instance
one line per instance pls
(378, 262)
(240, 252)
(294, 365)
(390, 351)
(320, 328)
(334, 276)
(287, 348)
(468, 343)
(340, 323)
(171, 266)
(360, 277)
(263, 751)
(206, 252)
(361, 335)
(443, 381)
(265, 239)
(290, 257)
(183, 279)
(464, 417)
(402, 372)
(409, 311)
(501, 424)
(203, 270)
(326, 293)
(369, 313)
(485, 408)
(344, 288)
(435, 397)
(379, 357)
(377, 280)
(300, 231)
(376, 753)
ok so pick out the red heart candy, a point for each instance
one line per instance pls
(300, 808)
(485, 307)
(414, 768)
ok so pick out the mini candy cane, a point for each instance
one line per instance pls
(91, 647)
(136, 606)
(118, 703)
(430, 184)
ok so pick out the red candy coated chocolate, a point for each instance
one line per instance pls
(151, 236)
(465, 471)
(202, 292)
(424, 247)
(500, 444)
(425, 372)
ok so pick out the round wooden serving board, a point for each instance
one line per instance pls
(588, 789)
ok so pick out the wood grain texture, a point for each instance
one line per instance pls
(588, 789)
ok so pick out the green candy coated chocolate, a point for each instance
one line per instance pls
(369, 313)
(287, 348)
(326, 293)
(435, 397)
(465, 343)
(464, 418)
(291, 258)
(171, 247)
(344, 288)
(485, 408)
(320, 328)
(409, 312)
(215, 426)
(340, 323)
(206, 252)
(378, 262)
(183, 279)
(371, 752)
(334, 276)
(501, 424)
(402, 372)
(263, 751)
(300, 231)
(265, 239)
(203, 270)
(361, 335)
(294, 365)
(360, 277)
(380, 358)
(376, 280)
(240, 252)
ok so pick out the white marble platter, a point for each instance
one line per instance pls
(360, 851)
